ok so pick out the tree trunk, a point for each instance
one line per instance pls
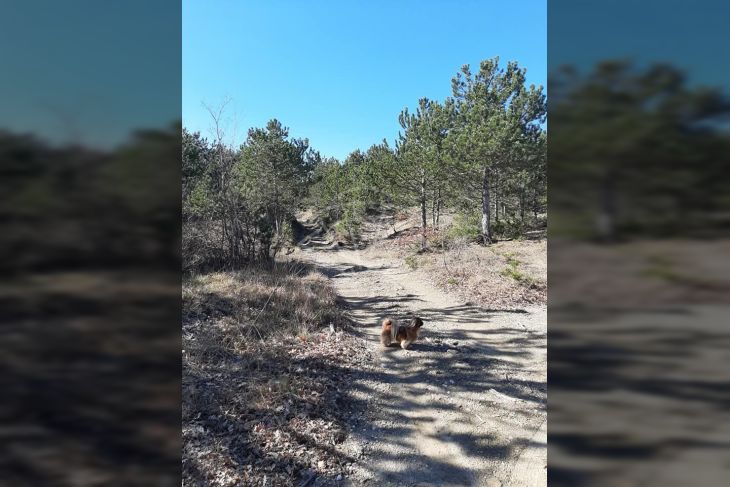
(438, 207)
(486, 223)
(522, 204)
(433, 210)
(423, 211)
(496, 202)
(224, 242)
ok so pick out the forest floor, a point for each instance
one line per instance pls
(467, 403)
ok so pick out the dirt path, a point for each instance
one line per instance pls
(465, 406)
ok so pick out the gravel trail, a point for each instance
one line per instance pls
(465, 406)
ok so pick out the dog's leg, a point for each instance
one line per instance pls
(405, 344)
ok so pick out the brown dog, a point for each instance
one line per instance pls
(405, 335)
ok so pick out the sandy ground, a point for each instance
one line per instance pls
(465, 406)
(639, 398)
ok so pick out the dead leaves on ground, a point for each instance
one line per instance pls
(271, 414)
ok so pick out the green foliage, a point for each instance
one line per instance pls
(343, 193)
(465, 226)
(412, 261)
(639, 151)
(512, 271)
(418, 171)
(498, 136)
(238, 203)
(514, 228)
(347, 229)
(484, 143)
(327, 192)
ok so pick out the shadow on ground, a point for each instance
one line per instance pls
(461, 353)
(90, 384)
(608, 369)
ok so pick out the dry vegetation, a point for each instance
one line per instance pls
(640, 274)
(504, 275)
(260, 303)
(264, 378)
(88, 352)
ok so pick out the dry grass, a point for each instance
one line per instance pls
(263, 386)
(504, 275)
(501, 276)
(640, 274)
(262, 303)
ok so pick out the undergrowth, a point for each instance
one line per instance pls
(512, 271)
(263, 376)
(260, 302)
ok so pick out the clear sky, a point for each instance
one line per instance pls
(688, 35)
(89, 72)
(339, 72)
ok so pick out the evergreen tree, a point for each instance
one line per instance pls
(495, 113)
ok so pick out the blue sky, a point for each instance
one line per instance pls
(688, 35)
(339, 72)
(89, 72)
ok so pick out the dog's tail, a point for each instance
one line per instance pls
(387, 340)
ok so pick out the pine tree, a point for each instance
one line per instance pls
(495, 114)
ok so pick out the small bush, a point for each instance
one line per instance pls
(511, 260)
(509, 229)
(517, 275)
(201, 250)
(348, 231)
(284, 239)
(412, 261)
(465, 226)
(340, 230)
(468, 226)
(512, 271)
